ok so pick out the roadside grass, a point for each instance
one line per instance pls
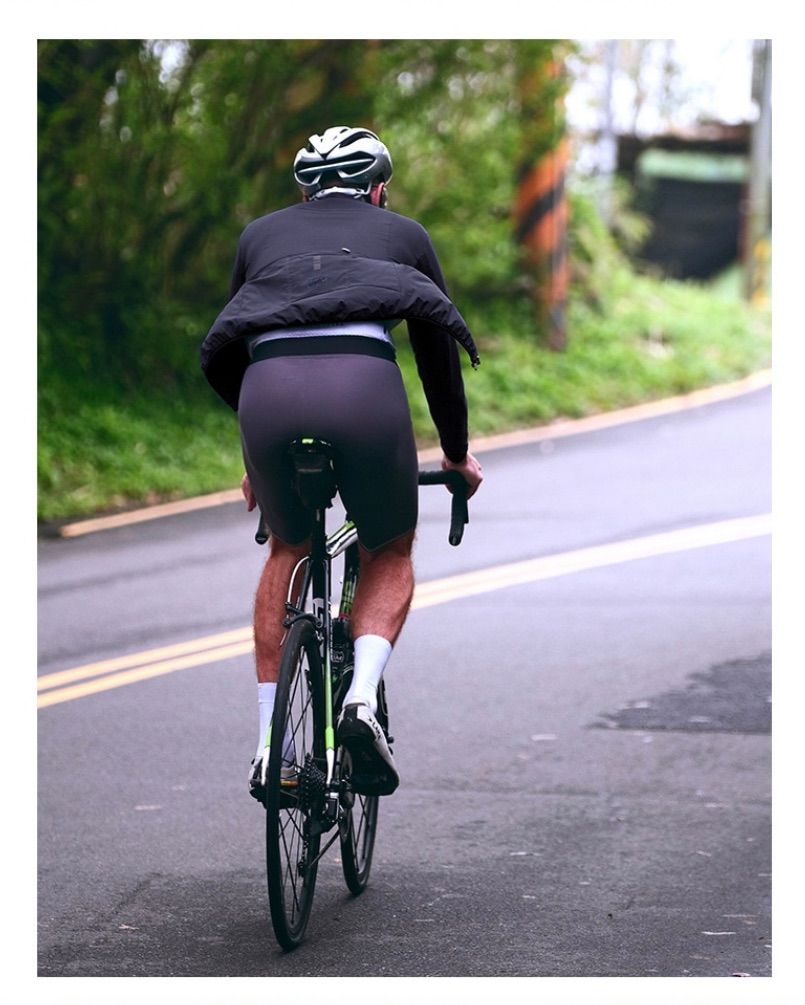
(100, 451)
(654, 339)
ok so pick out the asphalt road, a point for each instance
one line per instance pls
(585, 757)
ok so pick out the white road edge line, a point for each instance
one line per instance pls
(552, 431)
(211, 648)
(584, 559)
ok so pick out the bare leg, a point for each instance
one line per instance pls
(385, 589)
(382, 600)
(269, 606)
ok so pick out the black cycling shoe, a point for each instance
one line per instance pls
(373, 772)
(289, 783)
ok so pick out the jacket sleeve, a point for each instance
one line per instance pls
(439, 366)
(439, 369)
(238, 270)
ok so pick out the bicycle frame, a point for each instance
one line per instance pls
(317, 584)
(322, 796)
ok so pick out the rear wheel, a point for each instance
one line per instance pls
(295, 785)
(358, 831)
(359, 823)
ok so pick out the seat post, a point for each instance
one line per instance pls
(315, 483)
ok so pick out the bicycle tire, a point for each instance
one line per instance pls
(299, 703)
(359, 825)
(358, 840)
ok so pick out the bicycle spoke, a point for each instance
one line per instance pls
(358, 838)
(292, 828)
(291, 872)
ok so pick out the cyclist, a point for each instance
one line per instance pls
(303, 348)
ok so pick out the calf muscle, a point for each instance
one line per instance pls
(385, 590)
(269, 606)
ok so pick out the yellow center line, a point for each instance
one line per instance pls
(143, 673)
(205, 643)
(107, 674)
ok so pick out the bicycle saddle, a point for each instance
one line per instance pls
(314, 476)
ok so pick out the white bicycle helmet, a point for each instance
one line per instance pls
(354, 156)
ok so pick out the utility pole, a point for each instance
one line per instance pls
(541, 207)
(758, 204)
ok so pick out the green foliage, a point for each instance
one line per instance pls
(154, 155)
(597, 250)
(648, 339)
(98, 451)
(151, 160)
(449, 117)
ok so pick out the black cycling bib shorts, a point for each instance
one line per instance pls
(350, 393)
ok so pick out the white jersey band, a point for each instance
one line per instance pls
(368, 329)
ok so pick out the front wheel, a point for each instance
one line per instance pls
(295, 785)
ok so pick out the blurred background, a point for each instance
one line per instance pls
(601, 209)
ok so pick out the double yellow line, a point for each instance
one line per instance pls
(61, 686)
(78, 682)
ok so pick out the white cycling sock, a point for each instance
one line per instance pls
(266, 693)
(371, 656)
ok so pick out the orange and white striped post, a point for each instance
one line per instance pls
(541, 208)
(542, 219)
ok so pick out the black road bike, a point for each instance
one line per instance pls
(310, 800)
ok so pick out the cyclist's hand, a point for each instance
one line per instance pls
(469, 468)
(248, 495)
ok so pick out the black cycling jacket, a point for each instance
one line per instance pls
(341, 259)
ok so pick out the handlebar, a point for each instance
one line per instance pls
(459, 514)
